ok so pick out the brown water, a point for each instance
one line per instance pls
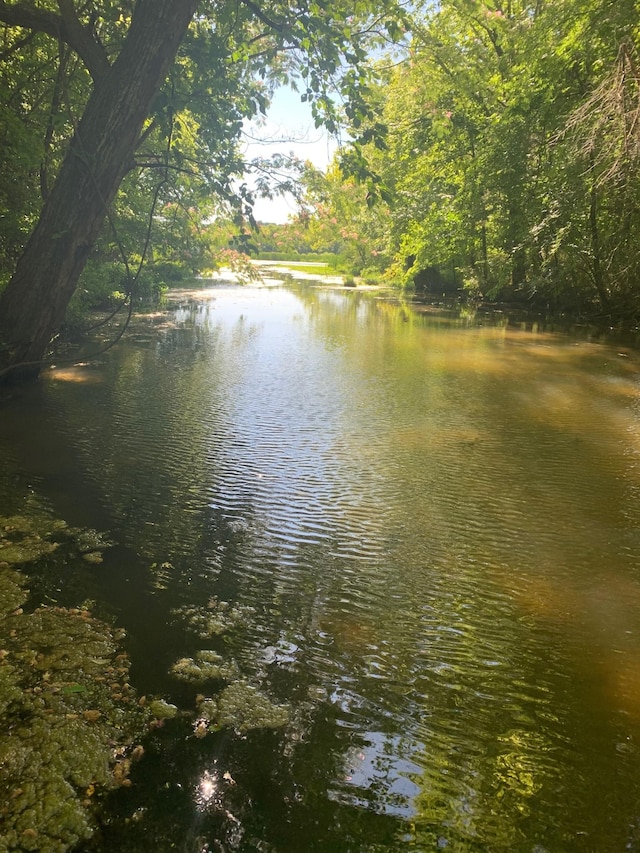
(435, 519)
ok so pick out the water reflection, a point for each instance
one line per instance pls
(433, 520)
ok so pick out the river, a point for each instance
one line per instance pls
(430, 521)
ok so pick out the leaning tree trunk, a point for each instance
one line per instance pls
(34, 302)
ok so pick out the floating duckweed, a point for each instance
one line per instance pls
(212, 620)
(205, 665)
(241, 706)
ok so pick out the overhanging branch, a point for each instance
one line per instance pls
(257, 11)
(65, 27)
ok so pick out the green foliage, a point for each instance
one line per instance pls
(102, 286)
(105, 285)
(510, 161)
(170, 272)
(187, 169)
(326, 258)
(337, 214)
(497, 154)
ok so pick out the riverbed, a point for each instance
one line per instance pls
(427, 524)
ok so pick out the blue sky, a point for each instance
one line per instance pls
(288, 128)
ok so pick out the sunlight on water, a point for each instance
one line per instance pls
(434, 519)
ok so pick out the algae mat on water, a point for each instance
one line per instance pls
(70, 721)
(68, 716)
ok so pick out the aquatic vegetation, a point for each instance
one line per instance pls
(27, 537)
(28, 549)
(36, 522)
(12, 589)
(163, 710)
(93, 557)
(70, 719)
(87, 540)
(242, 707)
(67, 706)
(239, 705)
(205, 665)
(210, 621)
(69, 715)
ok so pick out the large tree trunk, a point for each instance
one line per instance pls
(34, 302)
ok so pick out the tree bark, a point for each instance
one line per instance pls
(34, 302)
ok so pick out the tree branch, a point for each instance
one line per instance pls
(65, 27)
(257, 11)
(83, 40)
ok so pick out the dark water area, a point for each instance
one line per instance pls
(431, 520)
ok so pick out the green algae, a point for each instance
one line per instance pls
(36, 522)
(12, 590)
(242, 707)
(87, 539)
(68, 716)
(28, 549)
(26, 538)
(214, 619)
(239, 705)
(93, 557)
(10, 692)
(66, 707)
(163, 710)
(204, 666)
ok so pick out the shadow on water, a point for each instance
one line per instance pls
(426, 522)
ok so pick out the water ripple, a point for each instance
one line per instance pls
(434, 525)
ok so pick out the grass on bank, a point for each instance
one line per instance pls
(309, 269)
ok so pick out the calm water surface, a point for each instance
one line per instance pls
(435, 521)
